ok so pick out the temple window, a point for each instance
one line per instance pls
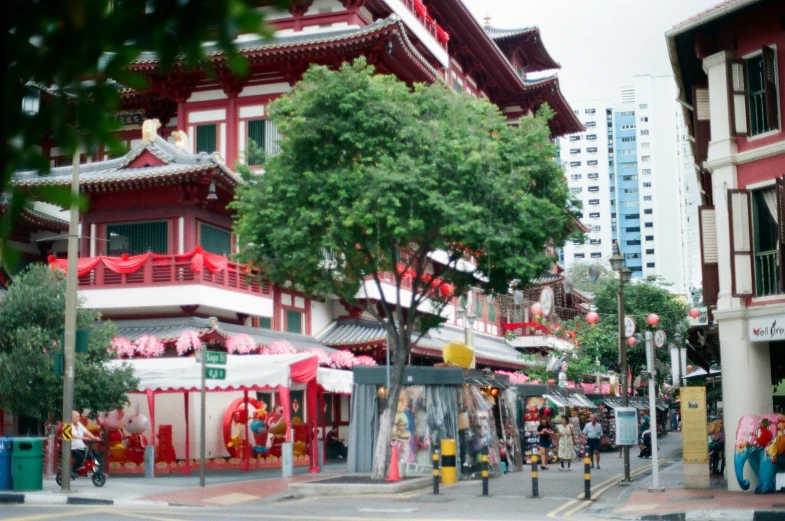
(137, 238)
(294, 321)
(215, 240)
(207, 138)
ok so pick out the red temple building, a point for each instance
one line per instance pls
(156, 243)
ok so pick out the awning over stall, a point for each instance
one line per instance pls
(557, 399)
(335, 380)
(580, 400)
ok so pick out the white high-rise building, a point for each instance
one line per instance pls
(691, 200)
(627, 171)
(586, 158)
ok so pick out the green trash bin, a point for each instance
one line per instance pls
(27, 459)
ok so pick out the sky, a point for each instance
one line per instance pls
(600, 44)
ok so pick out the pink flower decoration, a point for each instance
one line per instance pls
(515, 378)
(148, 346)
(341, 360)
(324, 358)
(279, 347)
(188, 341)
(122, 347)
(364, 360)
(241, 344)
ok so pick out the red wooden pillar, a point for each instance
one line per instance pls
(231, 132)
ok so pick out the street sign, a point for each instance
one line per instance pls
(66, 435)
(215, 357)
(629, 326)
(215, 373)
(660, 338)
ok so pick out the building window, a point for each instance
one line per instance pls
(590, 124)
(591, 150)
(630, 190)
(575, 151)
(650, 237)
(647, 198)
(589, 111)
(595, 242)
(649, 264)
(646, 185)
(629, 139)
(645, 159)
(593, 176)
(645, 119)
(576, 189)
(594, 215)
(629, 178)
(595, 229)
(594, 202)
(627, 114)
(628, 152)
(643, 106)
(632, 229)
(631, 164)
(457, 86)
(649, 225)
(596, 255)
(632, 216)
(645, 132)
(575, 177)
(575, 138)
(765, 241)
(630, 126)
(635, 242)
(575, 163)
(265, 323)
(648, 211)
(649, 252)
(580, 255)
(594, 188)
(591, 137)
(137, 238)
(644, 145)
(593, 162)
(294, 321)
(207, 138)
(215, 240)
(646, 171)
(762, 92)
(631, 203)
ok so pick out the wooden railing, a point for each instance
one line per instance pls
(168, 272)
(421, 13)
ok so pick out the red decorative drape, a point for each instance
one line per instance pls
(304, 370)
(510, 326)
(420, 8)
(126, 264)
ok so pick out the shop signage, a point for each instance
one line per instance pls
(626, 426)
(130, 119)
(765, 329)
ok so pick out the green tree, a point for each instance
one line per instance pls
(78, 54)
(374, 176)
(32, 317)
(640, 299)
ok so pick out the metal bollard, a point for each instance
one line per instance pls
(449, 471)
(587, 477)
(535, 477)
(436, 472)
(485, 471)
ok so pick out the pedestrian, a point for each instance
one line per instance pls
(79, 433)
(566, 444)
(335, 444)
(593, 432)
(674, 421)
(545, 431)
(645, 425)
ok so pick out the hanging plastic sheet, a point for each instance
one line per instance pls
(479, 432)
(510, 434)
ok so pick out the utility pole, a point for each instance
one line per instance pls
(625, 398)
(69, 347)
(202, 432)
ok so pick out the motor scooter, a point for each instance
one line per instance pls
(90, 465)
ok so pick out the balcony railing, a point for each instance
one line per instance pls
(767, 274)
(418, 9)
(168, 271)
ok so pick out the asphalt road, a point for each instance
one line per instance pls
(510, 499)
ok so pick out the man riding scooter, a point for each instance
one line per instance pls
(79, 433)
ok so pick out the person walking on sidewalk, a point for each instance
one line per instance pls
(593, 432)
(566, 443)
(545, 431)
(645, 425)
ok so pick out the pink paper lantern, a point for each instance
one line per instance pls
(689, 368)
(694, 313)
(631, 341)
(592, 318)
(653, 319)
(536, 309)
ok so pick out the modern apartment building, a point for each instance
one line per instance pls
(636, 197)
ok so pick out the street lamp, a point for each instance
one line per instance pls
(467, 313)
(678, 338)
(625, 274)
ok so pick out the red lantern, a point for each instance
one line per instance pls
(536, 309)
(689, 368)
(694, 313)
(592, 318)
(653, 320)
(631, 341)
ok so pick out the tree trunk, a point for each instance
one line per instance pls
(381, 453)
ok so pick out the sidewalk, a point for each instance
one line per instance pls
(677, 502)
(222, 488)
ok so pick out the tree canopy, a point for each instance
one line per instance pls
(78, 52)
(374, 176)
(32, 318)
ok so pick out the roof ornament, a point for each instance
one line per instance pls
(180, 139)
(150, 129)
(487, 19)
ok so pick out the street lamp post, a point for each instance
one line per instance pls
(678, 338)
(467, 313)
(617, 264)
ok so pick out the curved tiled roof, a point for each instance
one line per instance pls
(177, 163)
(500, 34)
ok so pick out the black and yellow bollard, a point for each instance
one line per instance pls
(449, 472)
(485, 471)
(436, 472)
(535, 477)
(587, 477)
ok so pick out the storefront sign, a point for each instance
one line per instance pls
(130, 119)
(694, 443)
(765, 329)
(626, 426)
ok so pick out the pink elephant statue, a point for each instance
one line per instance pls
(760, 439)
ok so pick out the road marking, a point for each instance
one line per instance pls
(388, 510)
(143, 516)
(291, 517)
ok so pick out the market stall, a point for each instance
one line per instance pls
(475, 408)
(243, 431)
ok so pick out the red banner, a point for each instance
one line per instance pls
(126, 264)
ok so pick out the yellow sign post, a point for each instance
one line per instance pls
(694, 438)
(66, 431)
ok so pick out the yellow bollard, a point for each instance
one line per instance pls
(449, 472)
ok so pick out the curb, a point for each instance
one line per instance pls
(39, 499)
(716, 515)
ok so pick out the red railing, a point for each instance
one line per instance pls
(168, 271)
(420, 12)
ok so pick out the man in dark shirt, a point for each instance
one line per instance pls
(335, 445)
